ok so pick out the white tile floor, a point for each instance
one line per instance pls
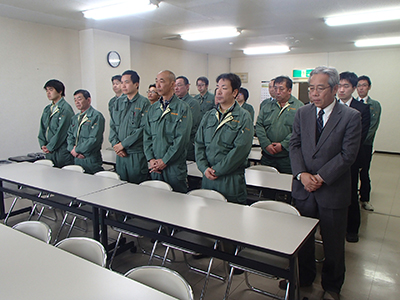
(373, 264)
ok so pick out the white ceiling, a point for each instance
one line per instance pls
(296, 23)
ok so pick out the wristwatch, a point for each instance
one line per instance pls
(298, 176)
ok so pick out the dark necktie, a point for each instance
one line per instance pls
(320, 123)
(362, 100)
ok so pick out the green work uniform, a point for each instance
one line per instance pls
(53, 131)
(166, 137)
(250, 109)
(86, 133)
(375, 110)
(265, 101)
(196, 117)
(274, 125)
(111, 103)
(223, 143)
(206, 102)
(126, 127)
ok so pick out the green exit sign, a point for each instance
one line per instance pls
(302, 73)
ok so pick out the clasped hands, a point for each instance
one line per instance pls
(120, 150)
(157, 165)
(311, 182)
(76, 154)
(274, 148)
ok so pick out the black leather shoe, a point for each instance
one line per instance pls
(352, 237)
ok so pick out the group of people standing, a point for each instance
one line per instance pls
(324, 144)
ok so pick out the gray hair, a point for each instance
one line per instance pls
(330, 71)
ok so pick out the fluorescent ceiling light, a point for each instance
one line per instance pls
(366, 17)
(119, 10)
(378, 42)
(215, 33)
(266, 50)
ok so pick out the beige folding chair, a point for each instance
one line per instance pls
(75, 168)
(86, 248)
(158, 184)
(151, 226)
(108, 174)
(199, 240)
(36, 229)
(164, 280)
(264, 168)
(261, 256)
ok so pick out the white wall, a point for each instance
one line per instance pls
(380, 65)
(96, 72)
(30, 55)
(148, 60)
(33, 53)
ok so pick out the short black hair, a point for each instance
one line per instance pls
(185, 80)
(116, 77)
(57, 85)
(84, 93)
(233, 78)
(364, 77)
(288, 82)
(134, 76)
(152, 85)
(350, 77)
(204, 79)
(244, 92)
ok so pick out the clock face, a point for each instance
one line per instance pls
(113, 59)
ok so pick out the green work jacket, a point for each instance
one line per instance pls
(167, 132)
(250, 109)
(127, 120)
(274, 124)
(206, 102)
(224, 144)
(54, 126)
(196, 118)
(375, 110)
(87, 133)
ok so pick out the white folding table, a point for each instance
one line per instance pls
(234, 223)
(32, 269)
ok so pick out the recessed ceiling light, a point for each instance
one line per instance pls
(365, 17)
(266, 50)
(120, 9)
(214, 33)
(378, 42)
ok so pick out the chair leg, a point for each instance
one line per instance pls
(10, 210)
(154, 246)
(114, 251)
(61, 227)
(228, 286)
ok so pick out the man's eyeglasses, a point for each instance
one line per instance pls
(319, 89)
(152, 92)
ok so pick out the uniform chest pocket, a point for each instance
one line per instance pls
(289, 117)
(135, 118)
(228, 135)
(85, 129)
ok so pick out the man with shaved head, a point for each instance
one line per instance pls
(167, 134)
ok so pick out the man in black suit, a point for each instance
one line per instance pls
(324, 144)
(347, 86)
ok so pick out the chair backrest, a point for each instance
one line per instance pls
(211, 194)
(264, 168)
(36, 229)
(158, 184)
(108, 174)
(164, 280)
(44, 162)
(277, 206)
(86, 248)
(74, 168)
